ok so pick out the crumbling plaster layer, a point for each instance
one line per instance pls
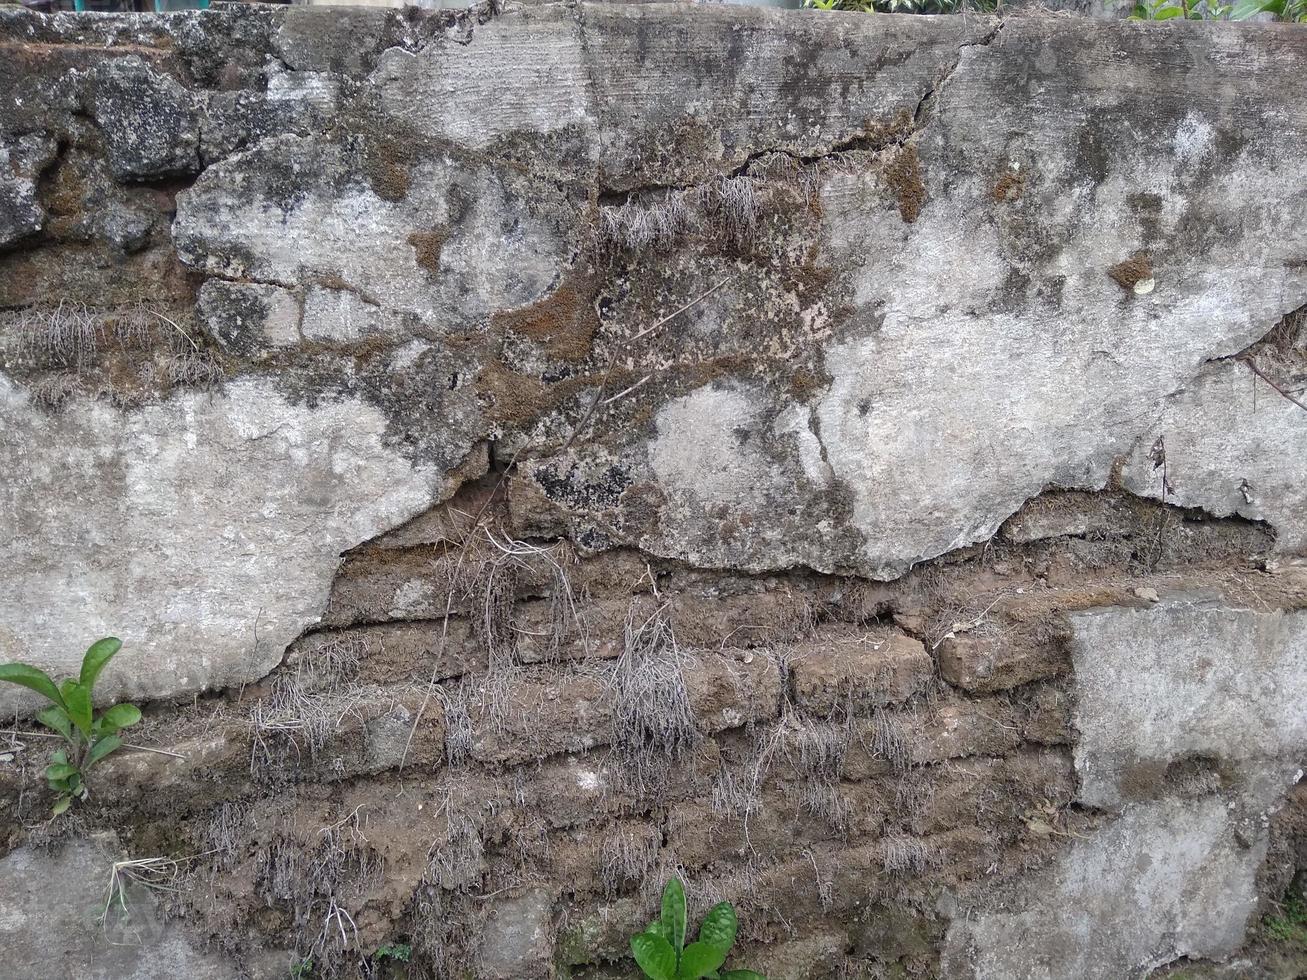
(967, 347)
(205, 529)
(1232, 446)
(983, 351)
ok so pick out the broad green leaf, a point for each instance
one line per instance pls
(32, 678)
(655, 955)
(61, 804)
(56, 718)
(1168, 14)
(119, 717)
(77, 700)
(674, 914)
(103, 747)
(698, 960)
(742, 975)
(719, 927)
(97, 655)
(657, 928)
(60, 770)
(61, 757)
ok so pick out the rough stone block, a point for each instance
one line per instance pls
(995, 662)
(518, 938)
(859, 672)
(49, 927)
(247, 319)
(149, 121)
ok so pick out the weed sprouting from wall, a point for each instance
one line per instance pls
(653, 724)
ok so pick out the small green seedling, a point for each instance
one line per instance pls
(90, 738)
(1290, 925)
(662, 953)
(402, 952)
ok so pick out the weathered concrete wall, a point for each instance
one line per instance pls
(531, 452)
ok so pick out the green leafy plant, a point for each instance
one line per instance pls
(1281, 10)
(394, 951)
(1290, 925)
(904, 6)
(89, 737)
(661, 950)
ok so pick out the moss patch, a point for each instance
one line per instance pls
(903, 173)
(564, 322)
(1133, 270)
(386, 163)
(426, 248)
(1009, 187)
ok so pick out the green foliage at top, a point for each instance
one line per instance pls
(88, 737)
(1282, 10)
(904, 6)
(661, 950)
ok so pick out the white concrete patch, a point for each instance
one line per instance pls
(1166, 880)
(204, 531)
(699, 449)
(1180, 680)
(1233, 446)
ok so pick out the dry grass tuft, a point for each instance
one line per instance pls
(653, 724)
(456, 861)
(627, 857)
(305, 707)
(52, 390)
(224, 833)
(889, 741)
(903, 856)
(317, 882)
(727, 206)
